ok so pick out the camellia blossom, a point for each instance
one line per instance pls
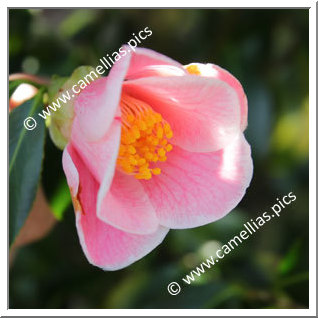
(154, 146)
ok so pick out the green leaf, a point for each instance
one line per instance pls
(61, 200)
(53, 181)
(25, 155)
(77, 21)
(289, 262)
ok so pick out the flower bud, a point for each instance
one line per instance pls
(62, 95)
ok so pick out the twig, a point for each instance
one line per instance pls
(32, 78)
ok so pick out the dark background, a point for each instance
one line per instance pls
(267, 50)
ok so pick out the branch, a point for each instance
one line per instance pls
(31, 78)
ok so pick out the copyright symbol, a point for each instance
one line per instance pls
(174, 288)
(29, 123)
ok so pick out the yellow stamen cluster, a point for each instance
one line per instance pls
(193, 69)
(144, 139)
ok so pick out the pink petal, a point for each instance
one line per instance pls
(204, 113)
(103, 245)
(145, 62)
(97, 104)
(126, 206)
(99, 156)
(215, 71)
(71, 172)
(198, 188)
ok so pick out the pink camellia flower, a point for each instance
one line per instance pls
(155, 145)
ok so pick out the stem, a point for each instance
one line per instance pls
(28, 77)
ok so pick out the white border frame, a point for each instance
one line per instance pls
(312, 167)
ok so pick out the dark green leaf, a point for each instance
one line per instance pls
(26, 154)
(53, 180)
(289, 262)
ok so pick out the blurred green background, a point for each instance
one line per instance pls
(267, 50)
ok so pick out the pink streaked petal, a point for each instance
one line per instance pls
(97, 104)
(157, 70)
(105, 246)
(70, 171)
(198, 188)
(99, 156)
(145, 63)
(112, 249)
(215, 71)
(204, 113)
(126, 206)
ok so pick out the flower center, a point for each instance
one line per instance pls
(144, 139)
